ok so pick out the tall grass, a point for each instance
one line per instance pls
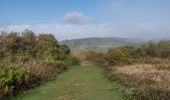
(148, 82)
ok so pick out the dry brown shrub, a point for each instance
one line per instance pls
(45, 72)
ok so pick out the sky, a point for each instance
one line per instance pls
(70, 19)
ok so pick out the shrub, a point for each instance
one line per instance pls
(71, 60)
(27, 46)
(27, 59)
(13, 79)
(58, 65)
(116, 57)
(46, 70)
(94, 55)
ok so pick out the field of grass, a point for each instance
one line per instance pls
(84, 82)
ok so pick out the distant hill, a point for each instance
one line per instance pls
(98, 43)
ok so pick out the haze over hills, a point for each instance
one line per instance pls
(99, 43)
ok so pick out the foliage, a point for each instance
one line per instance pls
(149, 82)
(93, 55)
(116, 57)
(30, 55)
(71, 60)
(13, 79)
(28, 46)
(46, 70)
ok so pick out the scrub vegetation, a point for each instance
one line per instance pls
(145, 69)
(28, 59)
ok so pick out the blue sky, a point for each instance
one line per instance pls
(88, 18)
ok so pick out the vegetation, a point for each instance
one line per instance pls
(27, 59)
(82, 82)
(145, 69)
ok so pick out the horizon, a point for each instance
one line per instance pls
(144, 19)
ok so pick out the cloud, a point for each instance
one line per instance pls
(71, 31)
(76, 18)
(145, 30)
(16, 28)
(65, 31)
(77, 25)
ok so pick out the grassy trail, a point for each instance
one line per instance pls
(84, 82)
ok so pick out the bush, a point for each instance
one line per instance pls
(58, 65)
(46, 70)
(13, 79)
(71, 60)
(27, 46)
(116, 57)
(94, 56)
(32, 58)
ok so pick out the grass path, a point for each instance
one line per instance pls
(84, 82)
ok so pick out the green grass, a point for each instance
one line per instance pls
(84, 82)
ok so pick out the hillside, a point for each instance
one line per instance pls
(98, 43)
